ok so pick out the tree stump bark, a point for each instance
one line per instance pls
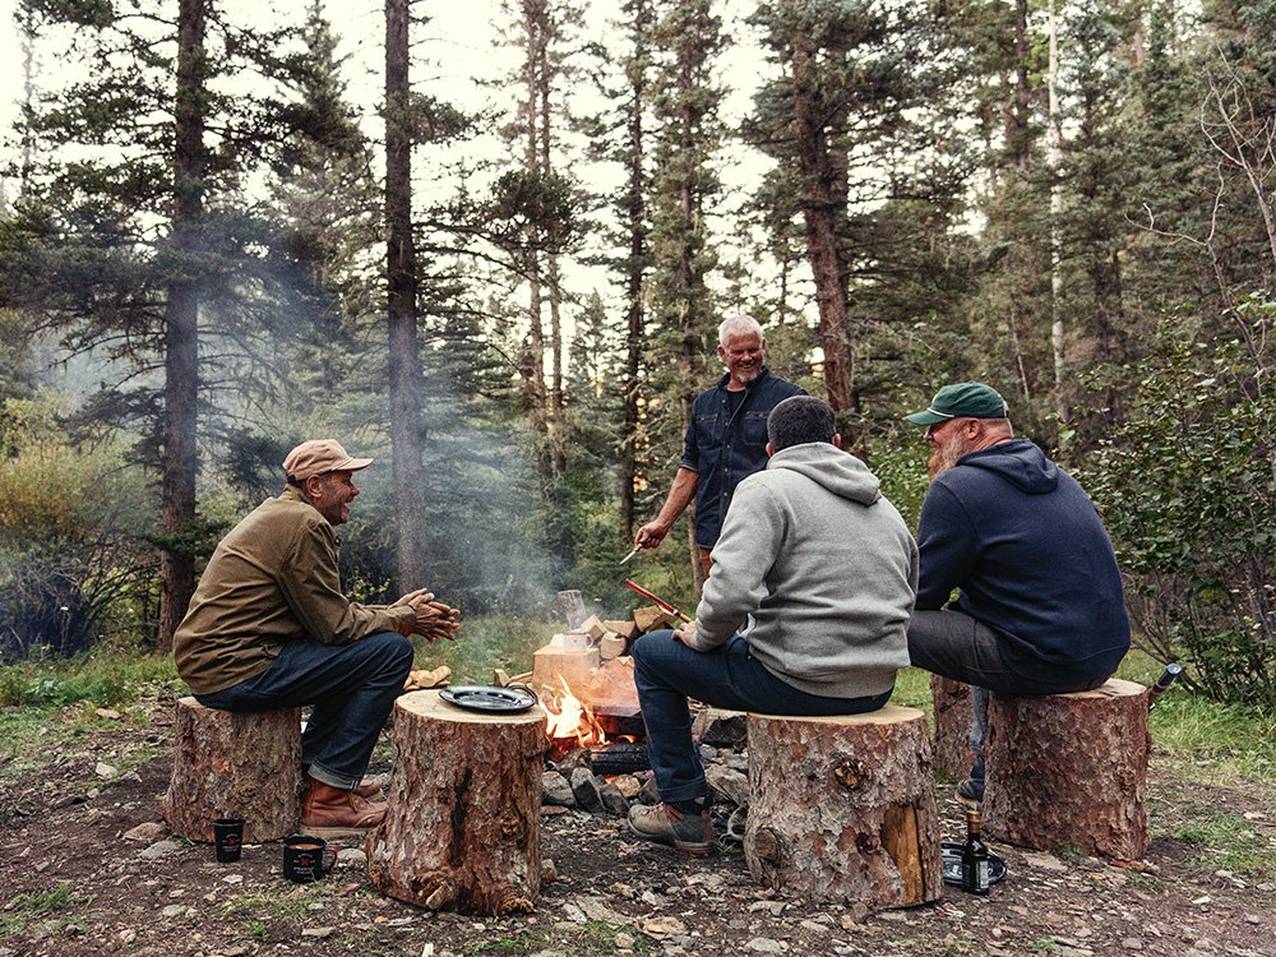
(843, 808)
(463, 827)
(954, 702)
(1070, 770)
(235, 765)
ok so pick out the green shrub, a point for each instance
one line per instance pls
(74, 564)
(1187, 487)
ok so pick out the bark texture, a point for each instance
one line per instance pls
(463, 827)
(954, 702)
(1070, 770)
(843, 808)
(235, 765)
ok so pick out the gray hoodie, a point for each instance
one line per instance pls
(824, 569)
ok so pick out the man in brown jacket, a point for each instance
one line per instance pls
(268, 627)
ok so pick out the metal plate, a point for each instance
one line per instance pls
(489, 698)
(952, 865)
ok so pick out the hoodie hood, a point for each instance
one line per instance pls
(1019, 462)
(840, 472)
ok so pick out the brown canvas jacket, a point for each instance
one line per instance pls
(272, 579)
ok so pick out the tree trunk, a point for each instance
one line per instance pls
(234, 765)
(953, 714)
(179, 461)
(463, 827)
(1055, 155)
(635, 213)
(843, 808)
(1070, 770)
(407, 433)
(1019, 110)
(819, 213)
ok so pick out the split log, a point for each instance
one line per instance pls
(462, 831)
(651, 617)
(626, 629)
(843, 808)
(954, 704)
(612, 646)
(552, 666)
(1070, 770)
(235, 765)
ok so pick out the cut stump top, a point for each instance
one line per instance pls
(428, 704)
(1112, 688)
(891, 714)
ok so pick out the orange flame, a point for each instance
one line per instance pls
(571, 722)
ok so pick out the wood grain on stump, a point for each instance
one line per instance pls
(954, 706)
(843, 808)
(1070, 770)
(235, 765)
(463, 827)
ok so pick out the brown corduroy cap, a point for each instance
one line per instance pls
(319, 456)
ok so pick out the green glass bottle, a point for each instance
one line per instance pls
(974, 857)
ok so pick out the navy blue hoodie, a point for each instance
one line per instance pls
(1033, 561)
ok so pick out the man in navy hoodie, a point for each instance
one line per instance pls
(1041, 609)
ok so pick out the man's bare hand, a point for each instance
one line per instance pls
(651, 534)
(434, 619)
(687, 635)
(407, 599)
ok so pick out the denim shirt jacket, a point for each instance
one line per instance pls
(727, 448)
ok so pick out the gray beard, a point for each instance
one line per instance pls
(943, 457)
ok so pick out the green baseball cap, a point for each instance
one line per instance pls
(962, 400)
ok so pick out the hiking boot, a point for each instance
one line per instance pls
(664, 824)
(971, 791)
(369, 788)
(331, 812)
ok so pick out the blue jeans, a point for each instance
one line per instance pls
(352, 688)
(667, 672)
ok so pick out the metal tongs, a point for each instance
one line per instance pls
(654, 599)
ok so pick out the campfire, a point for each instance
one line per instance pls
(571, 722)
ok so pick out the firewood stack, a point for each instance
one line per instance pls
(574, 655)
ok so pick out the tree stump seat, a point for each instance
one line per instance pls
(843, 809)
(1070, 770)
(234, 765)
(954, 710)
(463, 827)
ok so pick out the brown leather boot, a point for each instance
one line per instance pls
(331, 812)
(369, 788)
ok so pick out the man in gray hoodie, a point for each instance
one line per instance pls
(805, 612)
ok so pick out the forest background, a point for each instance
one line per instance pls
(215, 242)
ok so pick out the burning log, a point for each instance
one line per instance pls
(463, 827)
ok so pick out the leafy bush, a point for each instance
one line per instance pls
(1187, 487)
(73, 562)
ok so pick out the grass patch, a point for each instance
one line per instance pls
(105, 678)
(912, 689)
(486, 643)
(25, 909)
(285, 904)
(1224, 841)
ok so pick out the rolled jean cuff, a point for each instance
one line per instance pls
(331, 778)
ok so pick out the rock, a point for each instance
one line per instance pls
(648, 794)
(718, 727)
(147, 832)
(708, 752)
(624, 941)
(1047, 862)
(159, 850)
(319, 932)
(553, 810)
(104, 770)
(556, 790)
(109, 713)
(549, 870)
(613, 800)
(728, 784)
(1132, 943)
(595, 908)
(764, 945)
(352, 857)
(585, 790)
(237, 950)
(574, 914)
(173, 910)
(659, 927)
(628, 785)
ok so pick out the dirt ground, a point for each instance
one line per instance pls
(71, 884)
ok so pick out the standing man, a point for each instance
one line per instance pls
(268, 627)
(726, 437)
(805, 612)
(1041, 609)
